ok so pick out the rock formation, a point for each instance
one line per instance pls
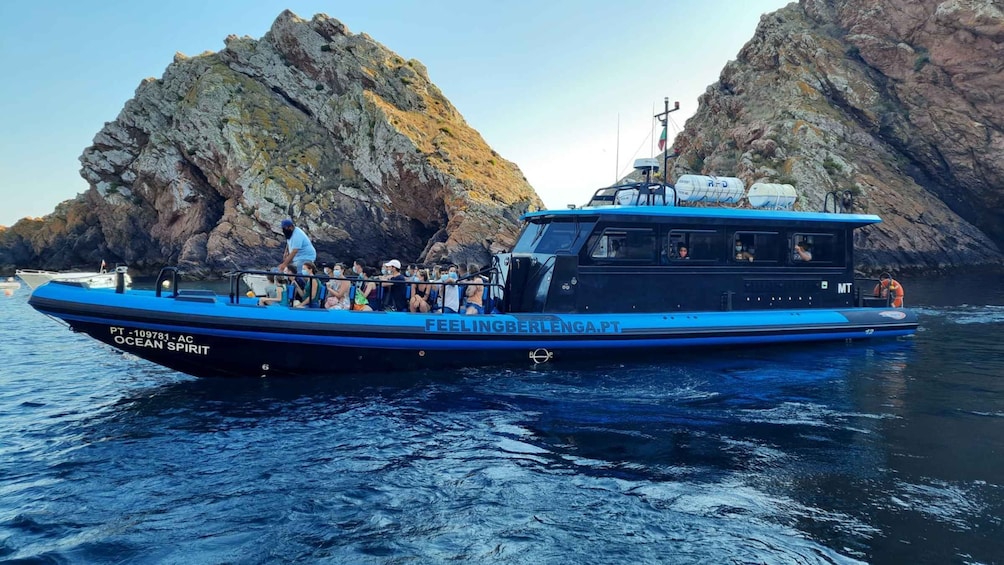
(312, 122)
(900, 102)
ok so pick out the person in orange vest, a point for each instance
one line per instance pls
(888, 286)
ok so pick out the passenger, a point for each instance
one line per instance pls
(475, 292)
(338, 290)
(420, 292)
(395, 287)
(299, 250)
(888, 286)
(380, 298)
(451, 293)
(615, 249)
(802, 251)
(292, 281)
(275, 291)
(743, 253)
(681, 252)
(308, 295)
(359, 301)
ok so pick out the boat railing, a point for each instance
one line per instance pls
(637, 194)
(168, 275)
(494, 289)
(837, 202)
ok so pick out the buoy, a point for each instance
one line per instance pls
(250, 294)
(165, 284)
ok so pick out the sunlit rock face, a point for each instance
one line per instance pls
(310, 122)
(900, 102)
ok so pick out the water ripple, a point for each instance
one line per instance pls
(837, 453)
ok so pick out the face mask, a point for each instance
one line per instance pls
(739, 247)
(338, 272)
(304, 271)
(445, 278)
(287, 233)
(383, 271)
(453, 276)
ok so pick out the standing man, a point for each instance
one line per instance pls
(298, 247)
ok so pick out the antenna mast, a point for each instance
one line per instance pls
(664, 120)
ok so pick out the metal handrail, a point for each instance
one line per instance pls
(495, 289)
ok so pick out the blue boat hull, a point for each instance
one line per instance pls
(210, 337)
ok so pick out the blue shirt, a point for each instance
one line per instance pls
(305, 249)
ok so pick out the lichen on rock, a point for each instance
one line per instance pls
(311, 122)
(888, 100)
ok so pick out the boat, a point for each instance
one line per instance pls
(10, 284)
(35, 278)
(257, 284)
(602, 281)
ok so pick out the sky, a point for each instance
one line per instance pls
(565, 89)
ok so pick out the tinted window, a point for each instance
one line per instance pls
(756, 247)
(636, 245)
(700, 245)
(557, 236)
(526, 239)
(818, 248)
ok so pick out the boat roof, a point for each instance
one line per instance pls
(742, 214)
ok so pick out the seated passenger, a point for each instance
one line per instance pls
(451, 293)
(395, 288)
(275, 291)
(802, 252)
(338, 290)
(743, 253)
(474, 292)
(421, 292)
(308, 295)
(615, 249)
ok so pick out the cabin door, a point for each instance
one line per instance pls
(562, 292)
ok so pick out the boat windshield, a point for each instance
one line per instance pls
(551, 236)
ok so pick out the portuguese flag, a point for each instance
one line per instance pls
(662, 139)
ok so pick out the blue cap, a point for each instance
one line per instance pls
(287, 223)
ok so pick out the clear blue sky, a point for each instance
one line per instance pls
(544, 81)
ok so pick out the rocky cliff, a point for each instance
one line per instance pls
(900, 102)
(312, 122)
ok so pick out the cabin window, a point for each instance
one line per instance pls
(688, 246)
(550, 237)
(817, 248)
(527, 239)
(756, 247)
(616, 244)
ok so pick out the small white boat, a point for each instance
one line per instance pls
(258, 284)
(102, 279)
(10, 284)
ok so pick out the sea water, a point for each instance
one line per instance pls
(882, 452)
